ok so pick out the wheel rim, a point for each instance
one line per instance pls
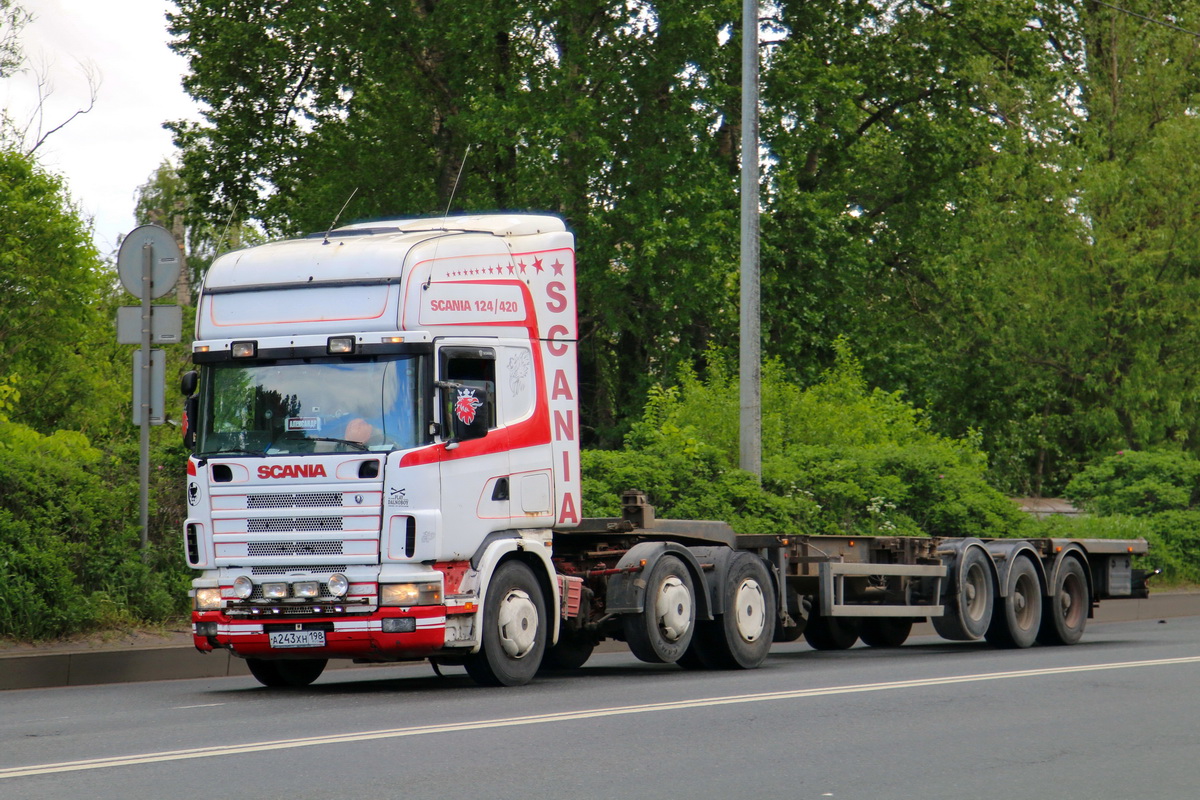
(1071, 603)
(673, 609)
(517, 623)
(1024, 610)
(975, 592)
(751, 609)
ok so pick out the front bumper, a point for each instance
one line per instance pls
(358, 637)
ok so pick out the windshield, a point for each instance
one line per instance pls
(305, 406)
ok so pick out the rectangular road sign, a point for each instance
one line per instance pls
(166, 324)
(158, 361)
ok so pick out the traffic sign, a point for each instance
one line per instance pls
(164, 260)
(166, 324)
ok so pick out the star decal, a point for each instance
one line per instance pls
(558, 267)
(537, 264)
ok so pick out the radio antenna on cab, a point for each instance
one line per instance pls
(333, 224)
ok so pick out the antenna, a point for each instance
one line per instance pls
(454, 190)
(333, 224)
(449, 203)
(222, 242)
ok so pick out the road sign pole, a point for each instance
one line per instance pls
(144, 417)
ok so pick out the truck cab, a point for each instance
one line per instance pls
(383, 414)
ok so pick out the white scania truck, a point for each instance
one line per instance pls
(385, 467)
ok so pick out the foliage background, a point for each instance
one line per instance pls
(980, 255)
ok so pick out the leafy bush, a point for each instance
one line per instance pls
(837, 458)
(1153, 494)
(69, 541)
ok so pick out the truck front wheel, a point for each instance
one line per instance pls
(514, 629)
(293, 673)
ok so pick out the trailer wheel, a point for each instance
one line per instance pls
(514, 629)
(1065, 613)
(663, 630)
(570, 652)
(885, 631)
(969, 615)
(293, 673)
(741, 637)
(1017, 617)
(831, 633)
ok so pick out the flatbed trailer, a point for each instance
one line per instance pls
(835, 590)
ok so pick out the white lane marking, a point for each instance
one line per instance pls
(567, 716)
(201, 705)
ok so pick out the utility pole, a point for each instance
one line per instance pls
(750, 351)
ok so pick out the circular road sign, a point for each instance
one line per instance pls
(164, 263)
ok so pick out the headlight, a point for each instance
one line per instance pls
(208, 599)
(410, 594)
(338, 585)
(306, 589)
(243, 587)
(275, 591)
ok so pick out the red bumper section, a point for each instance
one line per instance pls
(358, 637)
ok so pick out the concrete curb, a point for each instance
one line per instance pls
(178, 659)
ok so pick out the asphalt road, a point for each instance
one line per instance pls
(1112, 717)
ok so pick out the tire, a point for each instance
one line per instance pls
(514, 629)
(969, 615)
(291, 673)
(1017, 617)
(662, 631)
(740, 638)
(831, 633)
(885, 631)
(1065, 612)
(570, 652)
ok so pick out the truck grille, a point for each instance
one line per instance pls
(299, 500)
(289, 524)
(327, 548)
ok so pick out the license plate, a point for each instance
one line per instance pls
(297, 638)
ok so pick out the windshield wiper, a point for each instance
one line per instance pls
(347, 442)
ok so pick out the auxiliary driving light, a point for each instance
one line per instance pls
(306, 589)
(340, 345)
(338, 584)
(243, 349)
(275, 591)
(243, 587)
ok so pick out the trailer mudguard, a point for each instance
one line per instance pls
(1004, 552)
(1076, 552)
(627, 590)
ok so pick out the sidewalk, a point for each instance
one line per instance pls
(131, 657)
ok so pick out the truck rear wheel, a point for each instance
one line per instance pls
(514, 629)
(1066, 611)
(1017, 617)
(741, 637)
(293, 673)
(571, 651)
(662, 631)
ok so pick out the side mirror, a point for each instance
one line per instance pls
(191, 406)
(469, 414)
